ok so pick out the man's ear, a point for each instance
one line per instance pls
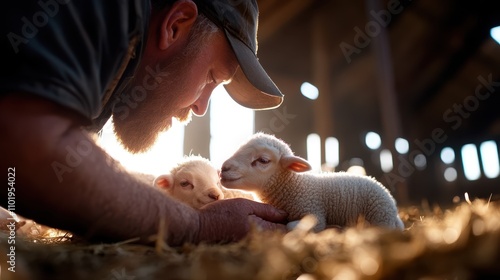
(295, 163)
(176, 23)
(164, 182)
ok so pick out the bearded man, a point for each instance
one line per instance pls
(70, 65)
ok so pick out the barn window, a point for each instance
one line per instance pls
(450, 174)
(332, 152)
(447, 155)
(489, 159)
(495, 33)
(470, 161)
(402, 145)
(314, 151)
(162, 156)
(373, 140)
(309, 90)
(386, 160)
(230, 125)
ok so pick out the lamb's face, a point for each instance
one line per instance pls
(250, 167)
(195, 184)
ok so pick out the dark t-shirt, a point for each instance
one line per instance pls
(73, 52)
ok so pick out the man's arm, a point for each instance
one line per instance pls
(66, 181)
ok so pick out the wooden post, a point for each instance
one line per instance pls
(322, 76)
(391, 119)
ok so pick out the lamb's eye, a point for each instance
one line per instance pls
(185, 184)
(261, 160)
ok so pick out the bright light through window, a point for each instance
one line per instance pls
(356, 166)
(332, 152)
(386, 160)
(230, 125)
(495, 34)
(314, 151)
(373, 140)
(448, 155)
(489, 158)
(356, 169)
(309, 90)
(420, 161)
(402, 145)
(470, 161)
(166, 152)
(450, 174)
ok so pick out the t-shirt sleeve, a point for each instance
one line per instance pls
(68, 51)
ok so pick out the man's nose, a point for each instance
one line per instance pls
(200, 106)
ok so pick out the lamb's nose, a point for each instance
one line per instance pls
(226, 166)
(214, 196)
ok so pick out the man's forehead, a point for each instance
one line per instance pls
(230, 64)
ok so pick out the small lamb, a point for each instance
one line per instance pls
(267, 166)
(196, 182)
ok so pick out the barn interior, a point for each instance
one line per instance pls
(423, 74)
(404, 91)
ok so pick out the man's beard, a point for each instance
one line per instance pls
(139, 132)
(137, 124)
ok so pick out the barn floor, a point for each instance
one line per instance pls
(460, 243)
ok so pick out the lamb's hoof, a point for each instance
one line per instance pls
(305, 224)
(292, 225)
(336, 227)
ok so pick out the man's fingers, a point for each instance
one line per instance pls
(268, 212)
(262, 224)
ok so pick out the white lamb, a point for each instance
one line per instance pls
(267, 166)
(196, 182)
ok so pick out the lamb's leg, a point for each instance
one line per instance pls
(387, 219)
(308, 223)
(321, 225)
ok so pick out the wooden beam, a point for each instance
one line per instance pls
(272, 22)
(266, 6)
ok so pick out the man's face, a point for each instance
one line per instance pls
(174, 86)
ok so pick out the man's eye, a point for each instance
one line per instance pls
(213, 78)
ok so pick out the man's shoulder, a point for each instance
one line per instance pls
(69, 51)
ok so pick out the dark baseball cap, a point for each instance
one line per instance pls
(251, 86)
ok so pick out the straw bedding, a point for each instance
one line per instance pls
(462, 242)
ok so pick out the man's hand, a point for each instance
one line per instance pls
(231, 219)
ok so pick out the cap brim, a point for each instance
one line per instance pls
(251, 87)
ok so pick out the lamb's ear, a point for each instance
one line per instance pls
(164, 182)
(295, 163)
